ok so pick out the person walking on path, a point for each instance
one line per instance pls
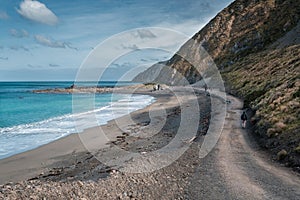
(244, 119)
(205, 88)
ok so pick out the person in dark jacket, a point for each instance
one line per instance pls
(244, 119)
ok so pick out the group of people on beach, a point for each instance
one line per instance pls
(157, 87)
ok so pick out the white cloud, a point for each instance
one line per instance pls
(19, 33)
(45, 41)
(36, 11)
(49, 42)
(3, 15)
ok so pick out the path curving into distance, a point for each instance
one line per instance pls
(238, 169)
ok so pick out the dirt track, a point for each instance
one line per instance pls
(238, 169)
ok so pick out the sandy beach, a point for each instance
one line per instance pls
(75, 158)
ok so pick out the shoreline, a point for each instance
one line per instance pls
(158, 135)
(34, 162)
(126, 90)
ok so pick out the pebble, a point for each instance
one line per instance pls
(160, 184)
(80, 183)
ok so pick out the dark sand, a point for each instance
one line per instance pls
(70, 150)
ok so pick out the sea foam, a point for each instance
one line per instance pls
(24, 137)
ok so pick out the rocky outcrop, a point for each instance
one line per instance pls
(255, 45)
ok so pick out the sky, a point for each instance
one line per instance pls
(55, 40)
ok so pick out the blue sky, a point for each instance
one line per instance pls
(51, 39)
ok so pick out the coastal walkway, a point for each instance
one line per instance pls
(237, 168)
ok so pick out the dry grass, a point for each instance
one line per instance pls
(272, 90)
(282, 154)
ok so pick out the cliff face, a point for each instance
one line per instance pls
(244, 27)
(255, 45)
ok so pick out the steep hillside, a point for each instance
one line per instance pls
(269, 82)
(255, 45)
(150, 74)
(244, 27)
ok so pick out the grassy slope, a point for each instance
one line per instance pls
(239, 39)
(269, 82)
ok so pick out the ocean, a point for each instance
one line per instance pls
(29, 120)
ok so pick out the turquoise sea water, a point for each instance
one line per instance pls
(28, 120)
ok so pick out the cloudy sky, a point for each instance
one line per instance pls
(53, 39)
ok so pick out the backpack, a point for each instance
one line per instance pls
(244, 116)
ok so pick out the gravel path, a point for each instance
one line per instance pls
(238, 169)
